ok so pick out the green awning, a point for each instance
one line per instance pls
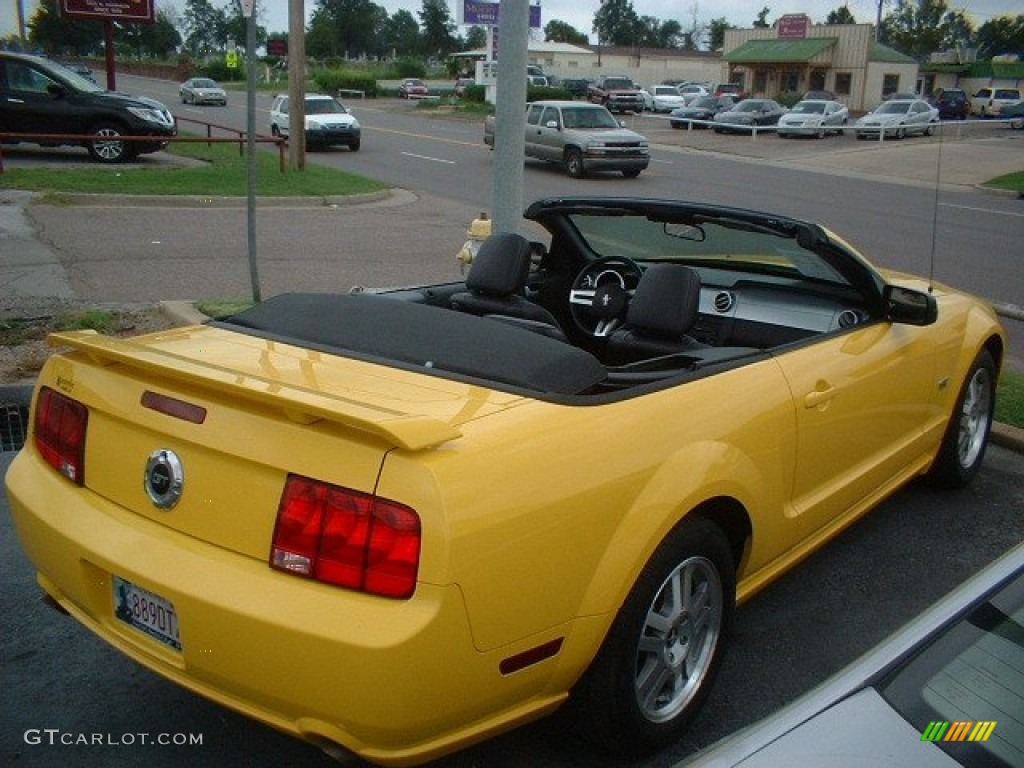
(779, 51)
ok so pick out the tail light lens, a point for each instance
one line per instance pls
(339, 536)
(60, 424)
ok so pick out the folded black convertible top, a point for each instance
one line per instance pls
(415, 336)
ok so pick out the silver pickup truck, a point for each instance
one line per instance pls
(581, 137)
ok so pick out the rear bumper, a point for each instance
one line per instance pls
(397, 682)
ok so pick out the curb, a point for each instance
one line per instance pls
(200, 201)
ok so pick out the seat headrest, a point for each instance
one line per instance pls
(666, 301)
(501, 266)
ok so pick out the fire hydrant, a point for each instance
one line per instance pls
(479, 230)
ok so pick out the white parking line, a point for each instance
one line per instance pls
(981, 210)
(431, 159)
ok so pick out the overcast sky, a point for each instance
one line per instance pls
(580, 13)
(740, 13)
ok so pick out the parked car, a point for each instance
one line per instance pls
(736, 89)
(413, 88)
(814, 118)
(202, 90)
(941, 691)
(900, 96)
(665, 98)
(576, 86)
(989, 102)
(1015, 113)
(748, 114)
(692, 91)
(952, 104)
(898, 118)
(42, 97)
(582, 138)
(328, 121)
(552, 477)
(701, 111)
(617, 93)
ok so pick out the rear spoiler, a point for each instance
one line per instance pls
(303, 406)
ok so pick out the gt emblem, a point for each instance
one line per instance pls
(164, 478)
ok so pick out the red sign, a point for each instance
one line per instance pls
(277, 47)
(792, 25)
(138, 11)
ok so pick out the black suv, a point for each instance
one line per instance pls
(952, 104)
(41, 97)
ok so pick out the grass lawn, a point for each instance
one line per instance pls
(222, 174)
(1012, 181)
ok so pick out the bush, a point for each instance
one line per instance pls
(404, 68)
(546, 92)
(333, 80)
(789, 98)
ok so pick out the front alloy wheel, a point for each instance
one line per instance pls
(963, 445)
(106, 147)
(574, 163)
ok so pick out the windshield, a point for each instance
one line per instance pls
(725, 243)
(704, 101)
(73, 78)
(323, 107)
(588, 118)
(971, 675)
(204, 84)
(748, 106)
(810, 107)
(893, 108)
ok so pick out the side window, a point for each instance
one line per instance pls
(533, 116)
(550, 115)
(21, 77)
(984, 93)
(283, 109)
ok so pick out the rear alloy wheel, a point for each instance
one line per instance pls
(574, 163)
(105, 146)
(963, 445)
(662, 653)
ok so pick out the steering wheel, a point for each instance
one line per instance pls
(600, 294)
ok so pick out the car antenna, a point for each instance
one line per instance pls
(935, 210)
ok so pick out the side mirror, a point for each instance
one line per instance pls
(56, 90)
(909, 307)
(551, 124)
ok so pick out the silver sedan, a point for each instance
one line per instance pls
(202, 90)
(814, 117)
(898, 118)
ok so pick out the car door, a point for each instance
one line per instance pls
(862, 398)
(32, 102)
(549, 135)
(532, 148)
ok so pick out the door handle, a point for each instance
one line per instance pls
(823, 393)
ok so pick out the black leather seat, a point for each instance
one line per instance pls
(496, 282)
(663, 309)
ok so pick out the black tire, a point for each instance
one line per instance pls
(966, 438)
(930, 130)
(354, 145)
(638, 694)
(632, 173)
(574, 163)
(105, 148)
(901, 132)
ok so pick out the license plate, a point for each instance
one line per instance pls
(146, 612)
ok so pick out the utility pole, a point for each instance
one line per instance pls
(510, 115)
(296, 85)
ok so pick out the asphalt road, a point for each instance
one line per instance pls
(61, 683)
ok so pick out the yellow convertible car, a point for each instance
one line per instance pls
(398, 523)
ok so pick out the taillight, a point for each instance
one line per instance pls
(344, 537)
(59, 427)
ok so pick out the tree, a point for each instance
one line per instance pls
(159, 39)
(694, 34)
(205, 28)
(344, 28)
(616, 23)
(841, 15)
(476, 37)
(402, 33)
(761, 22)
(916, 28)
(959, 31)
(556, 31)
(49, 32)
(716, 33)
(1003, 34)
(438, 30)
